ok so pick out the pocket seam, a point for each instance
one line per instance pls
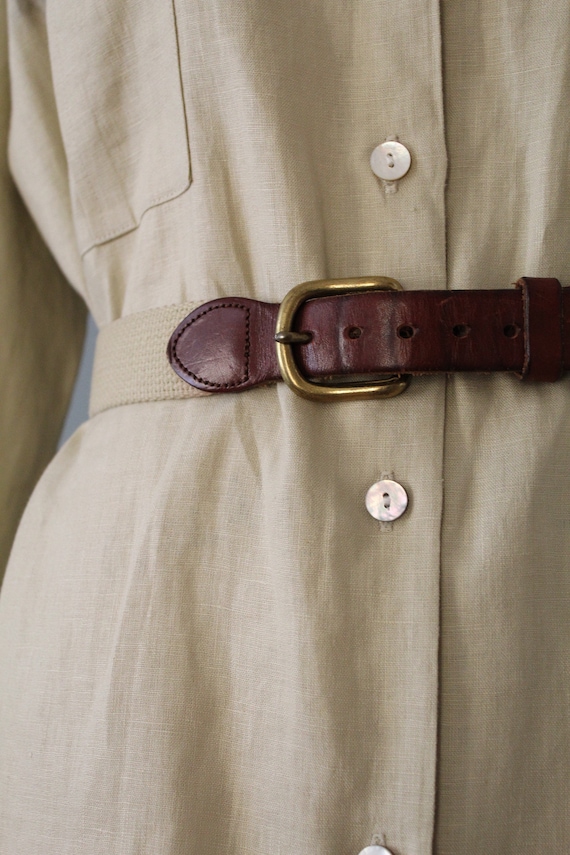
(132, 226)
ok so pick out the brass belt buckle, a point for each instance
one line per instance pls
(285, 336)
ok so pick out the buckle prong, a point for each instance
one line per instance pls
(291, 337)
(285, 336)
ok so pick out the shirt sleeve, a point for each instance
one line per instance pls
(42, 323)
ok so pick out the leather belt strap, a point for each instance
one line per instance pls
(228, 344)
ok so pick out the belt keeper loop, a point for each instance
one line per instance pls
(543, 320)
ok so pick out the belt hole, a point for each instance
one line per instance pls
(406, 331)
(354, 332)
(511, 330)
(461, 330)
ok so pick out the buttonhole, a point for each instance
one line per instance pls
(461, 330)
(386, 497)
(406, 331)
(511, 330)
(354, 332)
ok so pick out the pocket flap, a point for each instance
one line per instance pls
(121, 109)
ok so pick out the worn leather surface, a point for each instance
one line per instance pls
(543, 313)
(227, 345)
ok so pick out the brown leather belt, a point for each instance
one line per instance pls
(341, 337)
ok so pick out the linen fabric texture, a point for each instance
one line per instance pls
(206, 643)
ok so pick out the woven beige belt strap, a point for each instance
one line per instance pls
(131, 365)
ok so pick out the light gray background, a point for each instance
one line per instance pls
(79, 406)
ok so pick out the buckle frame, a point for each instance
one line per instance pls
(386, 387)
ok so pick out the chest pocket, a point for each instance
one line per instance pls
(118, 89)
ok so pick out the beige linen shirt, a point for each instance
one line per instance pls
(207, 645)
